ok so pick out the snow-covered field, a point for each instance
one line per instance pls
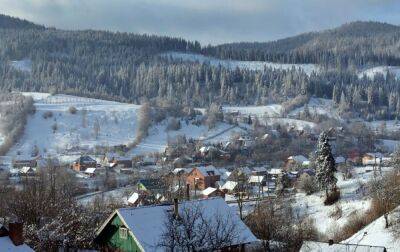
(158, 135)
(371, 72)
(273, 110)
(319, 106)
(352, 200)
(116, 121)
(24, 65)
(233, 64)
(117, 124)
(375, 234)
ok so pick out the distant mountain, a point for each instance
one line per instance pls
(7, 22)
(357, 43)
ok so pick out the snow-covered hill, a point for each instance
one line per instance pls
(62, 130)
(371, 72)
(53, 129)
(375, 234)
(233, 64)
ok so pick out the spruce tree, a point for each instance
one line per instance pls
(325, 164)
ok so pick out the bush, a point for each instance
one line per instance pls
(308, 184)
(332, 197)
(173, 124)
(72, 110)
(47, 114)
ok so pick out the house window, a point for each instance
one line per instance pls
(123, 233)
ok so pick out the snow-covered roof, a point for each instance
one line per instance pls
(259, 169)
(85, 160)
(339, 160)
(8, 246)
(208, 170)
(312, 246)
(298, 158)
(90, 170)
(229, 185)
(208, 191)
(275, 171)
(183, 170)
(374, 154)
(133, 198)
(376, 234)
(146, 223)
(256, 179)
(26, 169)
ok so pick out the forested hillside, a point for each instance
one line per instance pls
(354, 44)
(128, 67)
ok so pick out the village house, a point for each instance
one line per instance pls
(27, 171)
(12, 239)
(229, 186)
(202, 177)
(93, 171)
(296, 161)
(151, 186)
(372, 158)
(83, 162)
(211, 192)
(141, 228)
(24, 161)
(255, 180)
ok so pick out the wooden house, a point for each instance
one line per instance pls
(84, 162)
(202, 177)
(142, 228)
(372, 158)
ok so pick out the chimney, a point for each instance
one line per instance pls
(330, 242)
(15, 232)
(176, 208)
(187, 191)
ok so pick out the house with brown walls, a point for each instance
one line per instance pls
(84, 162)
(203, 177)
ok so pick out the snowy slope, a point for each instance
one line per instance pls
(22, 65)
(117, 124)
(371, 72)
(233, 64)
(273, 110)
(158, 136)
(375, 234)
(318, 106)
(352, 201)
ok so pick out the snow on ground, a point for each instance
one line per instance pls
(352, 200)
(36, 95)
(318, 106)
(233, 64)
(375, 234)
(273, 110)
(159, 136)
(298, 124)
(371, 72)
(388, 145)
(24, 65)
(389, 125)
(117, 123)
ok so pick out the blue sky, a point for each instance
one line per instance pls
(209, 21)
